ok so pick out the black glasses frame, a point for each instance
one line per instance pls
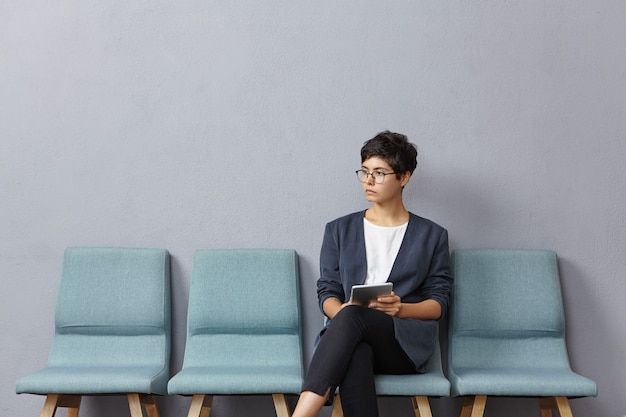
(364, 175)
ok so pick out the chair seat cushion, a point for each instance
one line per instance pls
(94, 380)
(531, 382)
(432, 384)
(236, 380)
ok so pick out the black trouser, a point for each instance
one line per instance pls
(358, 343)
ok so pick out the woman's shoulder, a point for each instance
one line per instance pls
(424, 222)
(347, 219)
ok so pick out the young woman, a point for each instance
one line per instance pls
(393, 334)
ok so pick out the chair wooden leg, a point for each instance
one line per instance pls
(421, 406)
(562, 404)
(546, 405)
(200, 405)
(134, 403)
(337, 410)
(474, 406)
(72, 403)
(50, 406)
(53, 401)
(150, 404)
(281, 406)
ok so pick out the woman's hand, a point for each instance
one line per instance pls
(332, 306)
(389, 304)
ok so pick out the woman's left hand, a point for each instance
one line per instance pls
(389, 304)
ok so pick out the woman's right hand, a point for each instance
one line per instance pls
(332, 306)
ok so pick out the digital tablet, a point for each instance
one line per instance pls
(362, 294)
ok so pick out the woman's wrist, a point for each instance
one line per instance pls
(424, 310)
(400, 313)
(332, 306)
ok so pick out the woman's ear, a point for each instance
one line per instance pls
(405, 178)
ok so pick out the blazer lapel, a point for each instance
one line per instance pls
(403, 253)
(360, 257)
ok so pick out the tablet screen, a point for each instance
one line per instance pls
(362, 294)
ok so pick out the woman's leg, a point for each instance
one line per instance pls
(338, 362)
(309, 404)
(378, 353)
(358, 392)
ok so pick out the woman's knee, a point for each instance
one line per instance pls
(350, 318)
(363, 317)
(351, 312)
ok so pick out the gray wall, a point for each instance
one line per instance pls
(190, 124)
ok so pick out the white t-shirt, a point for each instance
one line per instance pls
(381, 248)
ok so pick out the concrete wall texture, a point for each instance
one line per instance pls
(219, 124)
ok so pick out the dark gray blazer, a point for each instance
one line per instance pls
(421, 271)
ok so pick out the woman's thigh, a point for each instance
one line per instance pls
(377, 330)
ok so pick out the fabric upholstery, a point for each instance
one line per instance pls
(112, 325)
(243, 325)
(507, 327)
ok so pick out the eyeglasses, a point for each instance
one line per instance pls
(379, 176)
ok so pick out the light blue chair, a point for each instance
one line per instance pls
(419, 387)
(506, 331)
(243, 328)
(112, 330)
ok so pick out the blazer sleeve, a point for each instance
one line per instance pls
(439, 282)
(329, 284)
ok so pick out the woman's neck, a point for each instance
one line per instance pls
(387, 215)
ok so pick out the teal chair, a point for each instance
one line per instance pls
(419, 387)
(112, 330)
(506, 331)
(243, 328)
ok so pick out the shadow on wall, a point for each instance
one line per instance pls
(583, 299)
(179, 285)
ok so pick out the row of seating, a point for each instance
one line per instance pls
(112, 332)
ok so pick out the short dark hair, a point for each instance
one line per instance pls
(393, 148)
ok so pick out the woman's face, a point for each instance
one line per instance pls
(389, 189)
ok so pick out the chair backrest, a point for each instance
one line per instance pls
(113, 308)
(244, 304)
(506, 306)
